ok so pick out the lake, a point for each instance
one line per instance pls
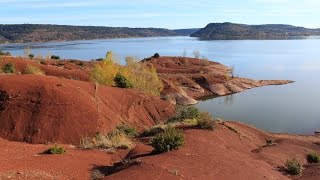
(293, 108)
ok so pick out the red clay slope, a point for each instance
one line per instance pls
(40, 109)
(231, 151)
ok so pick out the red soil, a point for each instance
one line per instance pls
(224, 154)
(71, 69)
(40, 109)
(23, 161)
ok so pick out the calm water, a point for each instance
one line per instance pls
(293, 108)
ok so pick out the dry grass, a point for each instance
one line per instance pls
(33, 70)
(114, 140)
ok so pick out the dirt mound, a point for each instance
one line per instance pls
(231, 151)
(40, 109)
(188, 79)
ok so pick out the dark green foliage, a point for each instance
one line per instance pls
(313, 157)
(128, 130)
(293, 166)
(122, 82)
(55, 150)
(31, 56)
(100, 59)
(205, 121)
(231, 31)
(156, 55)
(55, 57)
(170, 139)
(9, 68)
(23, 32)
(185, 112)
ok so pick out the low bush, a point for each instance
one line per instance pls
(170, 139)
(55, 150)
(33, 70)
(269, 142)
(31, 56)
(122, 82)
(156, 55)
(185, 112)
(128, 130)
(9, 68)
(55, 57)
(313, 157)
(293, 166)
(205, 121)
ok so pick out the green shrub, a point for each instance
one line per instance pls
(293, 166)
(31, 56)
(55, 57)
(313, 157)
(122, 82)
(185, 112)
(55, 150)
(129, 131)
(9, 68)
(156, 55)
(205, 121)
(170, 139)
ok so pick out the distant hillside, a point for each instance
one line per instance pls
(186, 32)
(44, 33)
(230, 31)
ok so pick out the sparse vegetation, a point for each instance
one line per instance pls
(26, 52)
(9, 68)
(33, 70)
(293, 166)
(114, 140)
(269, 142)
(313, 157)
(3, 53)
(196, 54)
(170, 139)
(55, 150)
(121, 81)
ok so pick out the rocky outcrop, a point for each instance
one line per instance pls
(188, 79)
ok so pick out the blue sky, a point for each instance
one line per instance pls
(160, 13)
